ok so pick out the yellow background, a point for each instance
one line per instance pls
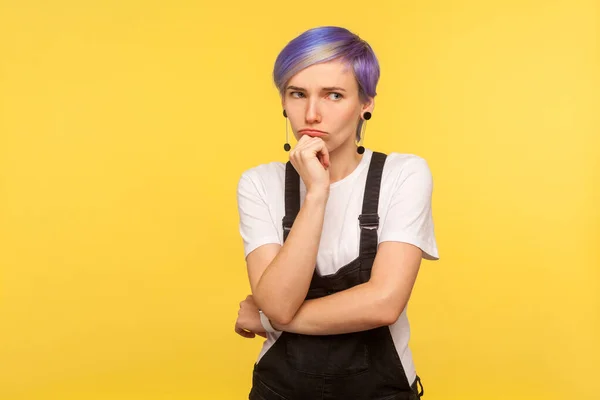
(124, 128)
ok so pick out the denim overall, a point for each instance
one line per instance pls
(353, 366)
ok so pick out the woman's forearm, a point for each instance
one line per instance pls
(378, 302)
(356, 309)
(284, 284)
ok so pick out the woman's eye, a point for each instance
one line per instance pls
(339, 96)
(297, 94)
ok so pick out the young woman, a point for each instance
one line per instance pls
(333, 238)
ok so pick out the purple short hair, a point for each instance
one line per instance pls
(324, 44)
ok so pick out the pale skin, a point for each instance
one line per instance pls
(323, 97)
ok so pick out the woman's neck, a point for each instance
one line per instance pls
(343, 161)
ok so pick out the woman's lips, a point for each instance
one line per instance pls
(312, 133)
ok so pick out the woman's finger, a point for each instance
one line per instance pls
(311, 148)
(320, 157)
(320, 148)
(326, 157)
(243, 332)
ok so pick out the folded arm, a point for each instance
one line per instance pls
(378, 302)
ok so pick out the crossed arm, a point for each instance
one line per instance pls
(378, 302)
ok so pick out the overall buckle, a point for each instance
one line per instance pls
(368, 221)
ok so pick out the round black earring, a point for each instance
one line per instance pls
(366, 116)
(286, 146)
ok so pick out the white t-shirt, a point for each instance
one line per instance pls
(404, 216)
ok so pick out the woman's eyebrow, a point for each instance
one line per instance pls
(334, 88)
(323, 89)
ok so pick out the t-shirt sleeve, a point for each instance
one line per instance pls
(256, 224)
(409, 216)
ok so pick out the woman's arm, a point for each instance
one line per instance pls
(280, 277)
(378, 302)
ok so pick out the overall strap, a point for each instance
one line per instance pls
(369, 219)
(292, 198)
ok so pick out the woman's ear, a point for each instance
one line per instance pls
(369, 105)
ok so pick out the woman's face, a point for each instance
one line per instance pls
(324, 97)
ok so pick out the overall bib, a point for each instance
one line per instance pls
(353, 366)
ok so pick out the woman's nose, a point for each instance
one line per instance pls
(313, 114)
